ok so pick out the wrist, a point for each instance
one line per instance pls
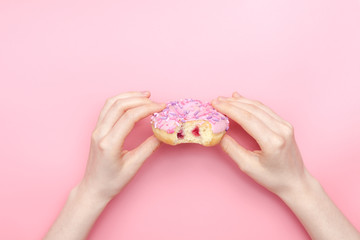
(301, 190)
(79, 214)
(88, 196)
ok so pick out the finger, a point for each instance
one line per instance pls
(109, 102)
(238, 97)
(251, 124)
(117, 110)
(136, 157)
(271, 122)
(127, 121)
(243, 158)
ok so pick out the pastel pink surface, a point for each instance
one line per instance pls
(60, 60)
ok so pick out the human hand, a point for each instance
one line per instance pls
(278, 166)
(109, 166)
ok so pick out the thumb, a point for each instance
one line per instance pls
(142, 152)
(241, 156)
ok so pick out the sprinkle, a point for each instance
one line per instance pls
(178, 112)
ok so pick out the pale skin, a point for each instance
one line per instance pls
(278, 166)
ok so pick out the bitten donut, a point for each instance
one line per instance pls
(189, 121)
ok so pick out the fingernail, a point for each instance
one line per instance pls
(215, 102)
(236, 94)
(162, 105)
(159, 103)
(146, 93)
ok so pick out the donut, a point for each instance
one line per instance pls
(189, 121)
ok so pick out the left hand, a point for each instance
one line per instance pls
(109, 166)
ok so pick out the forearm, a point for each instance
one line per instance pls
(318, 214)
(77, 217)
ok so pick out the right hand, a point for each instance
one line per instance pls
(278, 166)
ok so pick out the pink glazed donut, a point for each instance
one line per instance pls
(189, 121)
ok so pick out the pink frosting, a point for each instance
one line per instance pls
(178, 112)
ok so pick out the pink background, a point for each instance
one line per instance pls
(60, 60)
